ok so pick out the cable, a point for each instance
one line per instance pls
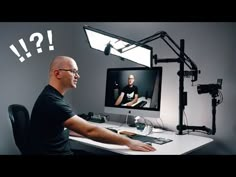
(161, 126)
(221, 97)
(121, 123)
(158, 125)
(106, 117)
(198, 131)
(186, 121)
(126, 119)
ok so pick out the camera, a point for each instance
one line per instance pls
(210, 88)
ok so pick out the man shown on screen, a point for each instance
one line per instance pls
(129, 94)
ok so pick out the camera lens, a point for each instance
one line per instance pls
(202, 89)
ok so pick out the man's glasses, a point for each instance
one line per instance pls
(71, 70)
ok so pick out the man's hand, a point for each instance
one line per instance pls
(129, 104)
(140, 146)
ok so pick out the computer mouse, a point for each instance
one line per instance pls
(149, 143)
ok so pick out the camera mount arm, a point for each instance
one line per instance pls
(194, 128)
(209, 131)
(183, 59)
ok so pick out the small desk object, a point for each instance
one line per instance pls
(180, 144)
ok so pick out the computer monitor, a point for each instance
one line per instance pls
(140, 88)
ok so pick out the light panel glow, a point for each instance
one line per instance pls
(99, 39)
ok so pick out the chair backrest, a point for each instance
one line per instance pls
(20, 121)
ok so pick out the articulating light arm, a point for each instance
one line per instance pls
(182, 57)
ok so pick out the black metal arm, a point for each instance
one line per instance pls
(182, 56)
(182, 59)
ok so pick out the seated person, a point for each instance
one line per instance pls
(51, 115)
(129, 94)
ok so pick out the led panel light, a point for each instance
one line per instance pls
(119, 46)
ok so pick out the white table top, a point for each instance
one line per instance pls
(181, 144)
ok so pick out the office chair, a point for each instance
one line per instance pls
(20, 120)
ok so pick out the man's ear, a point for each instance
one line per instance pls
(56, 73)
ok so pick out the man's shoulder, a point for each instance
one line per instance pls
(135, 87)
(51, 92)
(48, 97)
(125, 88)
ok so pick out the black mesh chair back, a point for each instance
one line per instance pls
(20, 121)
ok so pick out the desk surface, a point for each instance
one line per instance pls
(181, 144)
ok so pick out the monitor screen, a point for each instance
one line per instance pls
(133, 91)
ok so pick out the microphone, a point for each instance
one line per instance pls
(108, 49)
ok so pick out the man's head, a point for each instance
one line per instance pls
(131, 80)
(63, 73)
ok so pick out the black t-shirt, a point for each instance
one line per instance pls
(47, 134)
(129, 93)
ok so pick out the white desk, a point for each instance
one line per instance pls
(181, 144)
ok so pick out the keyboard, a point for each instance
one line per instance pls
(155, 140)
(144, 139)
(140, 104)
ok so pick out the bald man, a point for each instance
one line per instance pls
(51, 114)
(129, 94)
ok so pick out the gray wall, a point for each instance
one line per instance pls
(210, 45)
(22, 82)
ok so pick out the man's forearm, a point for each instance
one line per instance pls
(132, 102)
(106, 136)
